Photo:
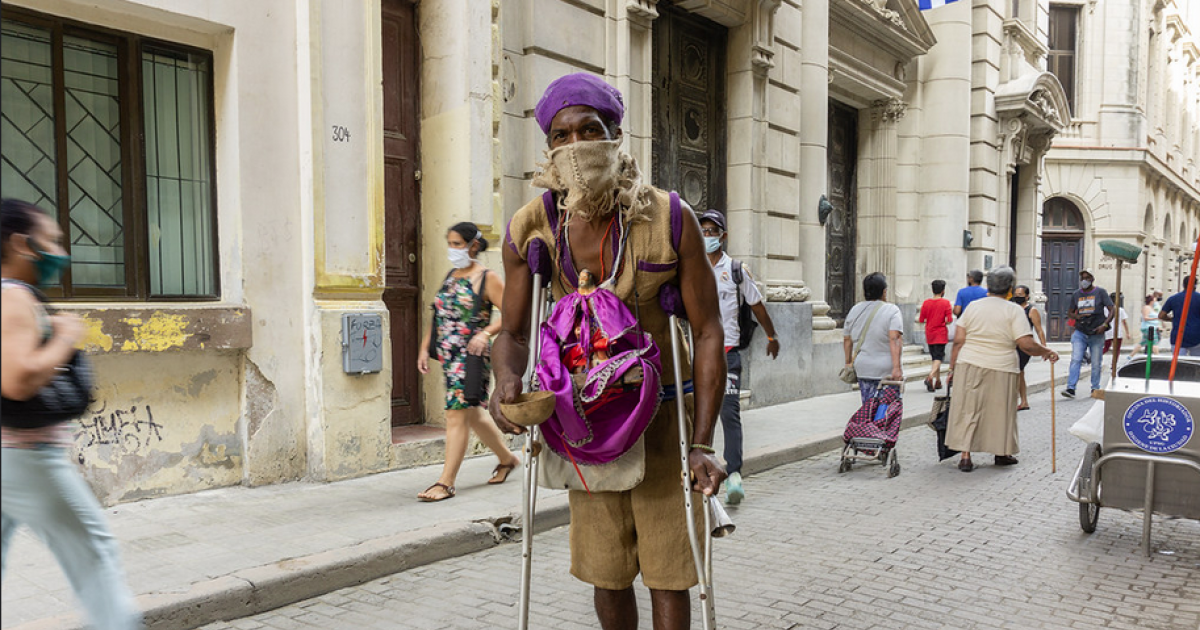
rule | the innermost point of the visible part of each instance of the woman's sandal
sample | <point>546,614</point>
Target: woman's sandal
<point>449,493</point>
<point>500,474</point>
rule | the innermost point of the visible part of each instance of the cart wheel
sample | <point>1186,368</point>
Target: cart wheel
<point>893,464</point>
<point>1089,513</point>
<point>845,465</point>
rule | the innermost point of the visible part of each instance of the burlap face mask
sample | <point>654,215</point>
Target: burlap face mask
<point>589,172</point>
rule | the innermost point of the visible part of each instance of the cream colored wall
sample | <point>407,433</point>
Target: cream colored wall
<point>458,151</point>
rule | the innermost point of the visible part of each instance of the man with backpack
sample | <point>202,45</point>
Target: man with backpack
<point>741,304</point>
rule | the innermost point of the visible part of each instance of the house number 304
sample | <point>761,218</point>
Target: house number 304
<point>341,134</point>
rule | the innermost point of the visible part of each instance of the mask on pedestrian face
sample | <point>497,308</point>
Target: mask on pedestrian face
<point>1085,284</point>
<point>1019,299</point>
<point>48,266</point>
<point>712,243</point>
<point>460,258</point>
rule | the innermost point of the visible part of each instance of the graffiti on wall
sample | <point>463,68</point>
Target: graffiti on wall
<point>129,429</point>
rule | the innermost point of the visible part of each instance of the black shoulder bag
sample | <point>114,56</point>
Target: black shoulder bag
<point>475,381</point>
<point>64,398</point>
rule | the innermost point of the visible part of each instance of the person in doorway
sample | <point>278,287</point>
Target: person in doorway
<point>1020,297</point>
<point>647,246</point>
<point>42,488</point>
<point>1087,308</point>
<point>936,314</point>
<point>880,326</point>
<point>735,288</point>
<point>1190,344</point>
<point>973,291</point>
<point>463,325</point>
<point>1119,329</point>
<point>983,410</point>
<point>1151,327</point>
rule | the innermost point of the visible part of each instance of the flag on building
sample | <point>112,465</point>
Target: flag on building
<point>926,5</point>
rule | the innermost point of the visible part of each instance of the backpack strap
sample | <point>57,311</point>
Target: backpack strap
<point>676,221</point>
<point>738,276</point>
<point>480,295</point>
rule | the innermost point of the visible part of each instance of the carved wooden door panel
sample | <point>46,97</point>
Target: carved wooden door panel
<point>840,237</point>
<point>689,108</point>
<point>401,201</point>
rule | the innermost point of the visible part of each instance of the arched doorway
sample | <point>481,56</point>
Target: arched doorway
<point>1062,258</point>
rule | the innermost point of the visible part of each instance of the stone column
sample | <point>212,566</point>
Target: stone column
<point>945,73</point>
<point>877,187</point>
<point>814,135</point>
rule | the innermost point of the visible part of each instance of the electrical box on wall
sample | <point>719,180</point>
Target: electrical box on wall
<point>362,343</point>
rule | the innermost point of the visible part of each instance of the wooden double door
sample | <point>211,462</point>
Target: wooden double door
<point>840,226</point>
<point>689,108</point>
<point>1062,259</point>
<point>402,203</point>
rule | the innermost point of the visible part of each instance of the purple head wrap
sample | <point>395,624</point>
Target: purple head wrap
<point>580,88</point>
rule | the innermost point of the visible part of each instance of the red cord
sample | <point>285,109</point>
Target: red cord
<point>604,240</point>
<point>573,463</point>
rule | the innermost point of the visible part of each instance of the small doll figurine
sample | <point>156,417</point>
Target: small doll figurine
<point>587,282</point>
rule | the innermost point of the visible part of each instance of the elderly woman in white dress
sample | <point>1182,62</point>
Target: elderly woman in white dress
<point>985,373</point>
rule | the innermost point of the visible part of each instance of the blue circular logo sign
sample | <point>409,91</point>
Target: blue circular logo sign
<point>1158,424</point>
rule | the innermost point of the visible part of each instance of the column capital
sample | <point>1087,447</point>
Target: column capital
<point>888,110</point>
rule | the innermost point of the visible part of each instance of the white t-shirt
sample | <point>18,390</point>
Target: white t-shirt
<point>875,358</point>
<point>727,295</point>
<point>1116,325</point>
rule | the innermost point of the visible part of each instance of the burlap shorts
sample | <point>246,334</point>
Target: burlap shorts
<point>616,535</point>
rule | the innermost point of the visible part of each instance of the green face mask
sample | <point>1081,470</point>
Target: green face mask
<point>48,266</point>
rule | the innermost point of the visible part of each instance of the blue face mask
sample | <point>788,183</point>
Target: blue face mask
<point>48,266</point>
<point>712,243</point>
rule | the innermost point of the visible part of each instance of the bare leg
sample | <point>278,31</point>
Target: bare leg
<point>456,449</point>
<point>672,610</point>
<point>1021,391</point>
<point>490,435</point>
<point>617,610</point>
<point>935,373</point>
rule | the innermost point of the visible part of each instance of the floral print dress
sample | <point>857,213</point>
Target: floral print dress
<point>455,328</point>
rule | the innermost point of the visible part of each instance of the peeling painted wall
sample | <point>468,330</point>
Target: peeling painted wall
<point>161,424</point>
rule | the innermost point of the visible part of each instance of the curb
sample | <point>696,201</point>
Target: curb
<point>267,587</point>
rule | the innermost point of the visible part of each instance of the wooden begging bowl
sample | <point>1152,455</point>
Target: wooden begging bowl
<point>530,409</point>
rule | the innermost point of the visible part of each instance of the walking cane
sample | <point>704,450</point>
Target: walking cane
<point>703,561</point>
<point>539,263</point>
<point>1053,425</point>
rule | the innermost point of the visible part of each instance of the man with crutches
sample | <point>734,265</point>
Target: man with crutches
<point>628,254</point>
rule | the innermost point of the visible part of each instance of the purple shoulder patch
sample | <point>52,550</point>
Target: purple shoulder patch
<point>676,221</point>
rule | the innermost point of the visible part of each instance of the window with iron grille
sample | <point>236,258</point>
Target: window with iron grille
<point>112,133</point>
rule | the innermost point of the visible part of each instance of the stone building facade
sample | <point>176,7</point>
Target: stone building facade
<point>328,145</point>
<point>1127,164</point>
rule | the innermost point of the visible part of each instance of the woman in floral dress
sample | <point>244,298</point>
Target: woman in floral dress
<point>461,329</point>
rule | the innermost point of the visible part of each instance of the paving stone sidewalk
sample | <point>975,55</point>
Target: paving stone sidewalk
<point>193,559</point>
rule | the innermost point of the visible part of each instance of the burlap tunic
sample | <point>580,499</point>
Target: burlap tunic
<point>614,535</point>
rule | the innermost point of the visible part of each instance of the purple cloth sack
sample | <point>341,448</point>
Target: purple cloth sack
<point>613,427</point>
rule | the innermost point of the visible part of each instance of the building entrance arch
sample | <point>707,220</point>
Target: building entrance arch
<point>1063,230</point>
